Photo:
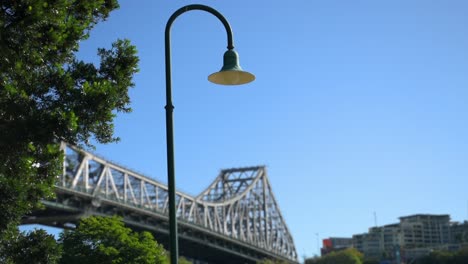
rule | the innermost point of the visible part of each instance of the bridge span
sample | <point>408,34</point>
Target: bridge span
<point>235,220</point>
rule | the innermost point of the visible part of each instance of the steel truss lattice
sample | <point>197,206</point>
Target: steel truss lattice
<point>239,203</point>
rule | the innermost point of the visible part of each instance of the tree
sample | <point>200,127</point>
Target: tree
<point>106,240</point>
<point>47,95</point>
<point>183,260</point>
<point>445,257</point>
<point>312,260</point>
<point>347,256</point>
<point>370,261</point>
<point>269,261</point>
<point>33,247</point>
<point>461,256</point>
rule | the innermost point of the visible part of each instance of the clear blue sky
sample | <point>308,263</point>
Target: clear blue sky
<point>358,107</point>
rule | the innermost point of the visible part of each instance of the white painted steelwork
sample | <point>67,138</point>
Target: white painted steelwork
<point>239,203</point>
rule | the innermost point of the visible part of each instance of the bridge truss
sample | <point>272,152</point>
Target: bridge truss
<point>237,213</point>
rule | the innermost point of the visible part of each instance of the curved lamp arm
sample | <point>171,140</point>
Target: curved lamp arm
<point>208,9</point>
<point>167,41</point>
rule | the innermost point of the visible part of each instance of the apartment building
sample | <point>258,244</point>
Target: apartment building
<point>424,230</point>
<point>459,233</point>
<point>379,241</point>
<point>413,236</point>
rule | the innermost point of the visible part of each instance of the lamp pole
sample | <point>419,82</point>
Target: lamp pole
<point>230,74</point>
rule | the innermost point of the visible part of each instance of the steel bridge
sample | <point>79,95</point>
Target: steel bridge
<point>235,220</point>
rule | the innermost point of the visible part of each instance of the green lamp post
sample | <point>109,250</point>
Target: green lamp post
<point>230,74</point>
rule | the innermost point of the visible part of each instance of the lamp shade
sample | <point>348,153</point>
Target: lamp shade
<point>231,73</point>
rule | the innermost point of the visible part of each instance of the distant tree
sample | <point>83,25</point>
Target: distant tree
<point>105,240</point>
<point>269,261</point>
<point>347,256</point>
<point>445,257</point>
<point>48,95</point>
<point>36,247</point>
<point>461,256</point>
<point>370,261</point>
<point>183,260</point>
<point>436,257</point>
<point>313,260</point>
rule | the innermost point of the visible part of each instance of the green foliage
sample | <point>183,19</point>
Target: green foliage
<point>183,260</point>
<point>445,257</point>
<point>23,181</point>
<point>269,261</point>
<point>106,240</point>
<point>313,260</point>
<point>370,261</point>
<point>347,256</point>
<point>34,247</point>
<point>48,95</point>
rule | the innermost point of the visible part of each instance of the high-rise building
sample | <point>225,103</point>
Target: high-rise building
<point>379,242</point>
<point>391,236</point>
<point>414,236</point>
<point>424,230</point>
<point>459,233</point>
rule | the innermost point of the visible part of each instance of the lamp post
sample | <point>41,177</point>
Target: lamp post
<point>230,74</point>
